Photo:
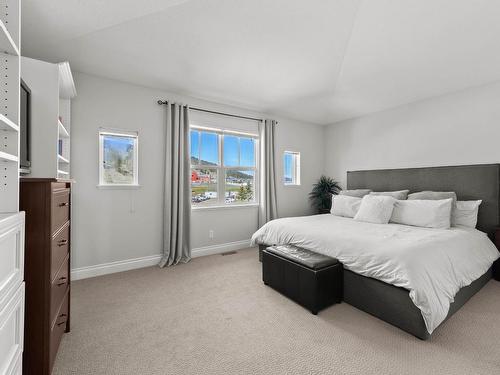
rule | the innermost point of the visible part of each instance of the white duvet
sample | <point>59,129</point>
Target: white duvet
<point>433,264</point>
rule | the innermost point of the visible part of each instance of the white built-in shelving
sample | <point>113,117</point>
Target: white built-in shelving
<point>4,156</point>
<point>67,91</point>
<point>63,150</point>
<point>11,220</point>
<point>6,124</point>
<point>52,89</point>
<point>9,109</point>
<point>7,43</point>
<point>63,133</point>
<point>62,159</point>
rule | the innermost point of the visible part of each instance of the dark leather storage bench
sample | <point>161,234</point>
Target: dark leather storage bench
<point>310,279</point>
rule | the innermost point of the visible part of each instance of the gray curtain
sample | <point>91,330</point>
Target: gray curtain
<point>176,197</point>
<point>268,209</point>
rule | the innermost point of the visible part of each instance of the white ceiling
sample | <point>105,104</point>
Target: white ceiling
<point>319,61</point>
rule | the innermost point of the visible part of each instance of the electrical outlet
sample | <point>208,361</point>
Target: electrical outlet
<point>211,234</point>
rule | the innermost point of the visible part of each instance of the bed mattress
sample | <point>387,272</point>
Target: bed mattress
<point>432,264</point>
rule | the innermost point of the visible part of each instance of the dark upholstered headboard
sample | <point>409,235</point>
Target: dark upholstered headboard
<point>470,182</point>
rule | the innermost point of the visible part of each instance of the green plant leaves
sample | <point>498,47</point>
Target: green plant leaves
<point>321,194</point>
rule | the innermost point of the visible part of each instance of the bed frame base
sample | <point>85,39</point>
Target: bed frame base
<point>392,304</point>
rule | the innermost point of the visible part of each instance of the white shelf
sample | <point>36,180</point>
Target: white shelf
<point>6,124</point>
<point>62,159</point>
<point>7,44</point>
<point>63,133</point>
<point>64,173</point>
<point>8,218</point>
<point>7,157</point>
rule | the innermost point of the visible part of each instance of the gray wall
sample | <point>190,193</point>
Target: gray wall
<point>117,225</point>
<point>455,129</point>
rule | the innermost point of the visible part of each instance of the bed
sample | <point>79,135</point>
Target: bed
<point>393,303</point>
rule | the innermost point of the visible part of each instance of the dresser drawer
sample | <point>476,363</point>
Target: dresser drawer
<point>12,332</point>
<point>11,255</point>
<point>58,186</point>
<point>60,208</point>
<point>58,328</point>
<point>60,249</point>
<point>58,288</point>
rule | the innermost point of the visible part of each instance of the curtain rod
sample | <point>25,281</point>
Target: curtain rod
<point>215,112</point>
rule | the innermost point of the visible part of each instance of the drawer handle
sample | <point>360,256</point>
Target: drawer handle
<point>62,316</point>
<point>63,204</point>
<point>62,281</point>
<point>62,242</point>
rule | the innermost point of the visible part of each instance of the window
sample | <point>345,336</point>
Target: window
<point>223,167</point>
<point>291,168</point>
<point>118,158</point>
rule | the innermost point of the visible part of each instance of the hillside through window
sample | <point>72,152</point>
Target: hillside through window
<point>118,158</point>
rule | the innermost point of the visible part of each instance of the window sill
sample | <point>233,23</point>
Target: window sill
<point>292,185</point>
<point>119,187</point>
<point>250,205</point>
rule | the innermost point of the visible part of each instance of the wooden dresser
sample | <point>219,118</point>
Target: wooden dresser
<point>47,264</point>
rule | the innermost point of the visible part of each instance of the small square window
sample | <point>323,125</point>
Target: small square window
<point>291,168</point>
<point>118,159</point>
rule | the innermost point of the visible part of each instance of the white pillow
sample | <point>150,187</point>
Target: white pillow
<point>343,205</point>
<point>465,214</point>
<point>423,213</point>
<point>400,194</point>
<point>375,209</point>
<point>358,193</point>
<point>433,195</point>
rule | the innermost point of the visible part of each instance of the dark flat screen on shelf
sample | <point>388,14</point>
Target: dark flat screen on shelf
<point>25,128</point>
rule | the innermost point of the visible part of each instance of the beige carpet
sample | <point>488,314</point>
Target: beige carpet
<point>214,316</point>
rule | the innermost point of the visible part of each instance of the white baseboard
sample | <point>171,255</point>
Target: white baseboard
<point>113,267</point>
<point>152,260</point>
<point>221,248</point>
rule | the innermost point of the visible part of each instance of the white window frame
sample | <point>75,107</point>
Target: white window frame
<point>221,168</point>
<point>118,133</point>
<point>295,168</point>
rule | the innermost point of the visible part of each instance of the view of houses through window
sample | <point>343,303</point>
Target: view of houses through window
<point>223,167</point>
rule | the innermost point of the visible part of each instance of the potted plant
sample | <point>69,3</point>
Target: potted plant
<point>321,194</point>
